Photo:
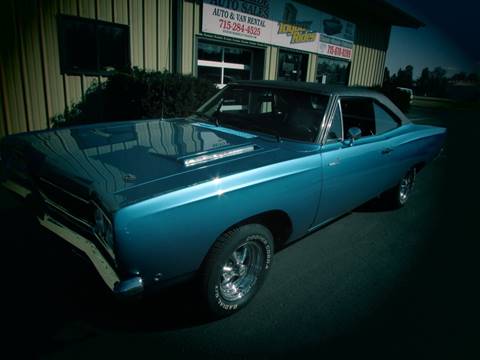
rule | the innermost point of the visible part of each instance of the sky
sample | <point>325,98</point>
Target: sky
<point>450,37</point>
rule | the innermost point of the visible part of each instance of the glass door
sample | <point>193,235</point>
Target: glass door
<point>222,64</point>
<point>292,66</point>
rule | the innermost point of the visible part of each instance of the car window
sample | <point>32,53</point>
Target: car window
<point>335,132</point>
<point>358,112</point>
<point>287,113</point>
<point>384,121</point>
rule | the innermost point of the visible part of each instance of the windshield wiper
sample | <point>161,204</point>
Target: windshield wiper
<point>208,117</point>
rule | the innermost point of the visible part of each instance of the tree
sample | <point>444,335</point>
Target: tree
<point>423,83</point>
<point>386,76</point>
<point>473,77</point>
<point>459,76</point>
<point>405,77</point>
<point>439,82</point>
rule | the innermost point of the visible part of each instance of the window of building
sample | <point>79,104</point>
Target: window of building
<point>92,47</point>
<point>330,71</point>
<point>223,64</point>
<point>292,66</point>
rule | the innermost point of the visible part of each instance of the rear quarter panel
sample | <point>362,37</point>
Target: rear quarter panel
<point>414,145</point>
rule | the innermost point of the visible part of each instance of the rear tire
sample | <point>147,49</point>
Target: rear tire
<point>236,268</point>
<point>398,196</point>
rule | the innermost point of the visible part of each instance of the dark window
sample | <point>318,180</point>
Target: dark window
<point>207,51</point>
<point>358,112</point>
<point>331,71</point>
<point>213,74</point>
<point>292,66</point>
<point>384,120</point>
<point>92,47</point>
<point>223,64</point>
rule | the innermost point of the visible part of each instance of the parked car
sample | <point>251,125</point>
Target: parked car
<point>406,90</point>
<point>212,196</point>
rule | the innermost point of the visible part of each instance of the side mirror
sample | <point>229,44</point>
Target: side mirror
<point>354,133</point>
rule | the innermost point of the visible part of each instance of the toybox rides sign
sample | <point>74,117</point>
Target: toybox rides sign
<point>282,23</point>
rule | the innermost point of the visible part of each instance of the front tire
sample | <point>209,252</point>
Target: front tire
<point>236,268</point>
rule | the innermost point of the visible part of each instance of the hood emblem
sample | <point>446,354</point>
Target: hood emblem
<point>129,178</point>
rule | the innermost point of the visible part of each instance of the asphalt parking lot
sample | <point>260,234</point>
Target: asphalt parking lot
<point>389,284</point>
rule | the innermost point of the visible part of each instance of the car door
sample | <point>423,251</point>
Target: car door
<point>353,170</point>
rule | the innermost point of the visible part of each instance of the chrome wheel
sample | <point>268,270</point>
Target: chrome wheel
<point>406,186</point>
<point>241,271</point>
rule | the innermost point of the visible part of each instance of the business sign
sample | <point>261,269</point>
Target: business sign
<point>241,25</point>
<point>281,23</point>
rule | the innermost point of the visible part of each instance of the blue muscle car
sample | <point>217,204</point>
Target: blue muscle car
<point>262,163</point>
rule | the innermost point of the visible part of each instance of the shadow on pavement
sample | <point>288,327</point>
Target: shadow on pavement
<point>54,297</point>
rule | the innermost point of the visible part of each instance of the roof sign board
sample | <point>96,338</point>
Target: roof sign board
<point>282,23</point>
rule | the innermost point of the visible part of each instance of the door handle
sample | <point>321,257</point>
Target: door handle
<point>387,151</point>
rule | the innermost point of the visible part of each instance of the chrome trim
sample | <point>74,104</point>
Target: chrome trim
<point>130,287</point>
<point>126,287</point>
<point>202,159</point>
<point>89,227</point>
<point>325,120</point>
<point>105,270</point>
<point>63,190</point>
<point>103,212</point>
<point>64,211</point>
<point>16,188</point>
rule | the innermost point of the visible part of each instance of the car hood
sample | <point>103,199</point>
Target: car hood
<point>130,161</point>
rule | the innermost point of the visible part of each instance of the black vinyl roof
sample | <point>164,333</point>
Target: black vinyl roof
<point>311,87</point>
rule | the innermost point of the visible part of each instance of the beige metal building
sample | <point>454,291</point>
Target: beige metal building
<point>53,50</point>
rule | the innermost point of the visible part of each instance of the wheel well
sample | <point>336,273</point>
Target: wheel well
<point>277,221</point>
<point>419,166</point>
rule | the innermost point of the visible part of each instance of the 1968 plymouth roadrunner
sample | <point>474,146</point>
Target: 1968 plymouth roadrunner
<point>262,163</point>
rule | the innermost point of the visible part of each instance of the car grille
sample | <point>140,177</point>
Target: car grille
<point>74,209</point>
<point>73,206</point>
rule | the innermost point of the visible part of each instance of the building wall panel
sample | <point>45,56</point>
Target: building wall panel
<point>3,119</point>
<point>72,83</point>
<point>311,67</point>
<point>136,32</point>
<point>271,63</point>
<point>120,11</point>
<point>188,36</point>
<point>104,10</point>
<point>150,34</point>
<point>164,42</point>
<point>87,9</point>
<point>54,89</point>
<point>11,73</point>
<point>31,63</point>
<point>369,52</point>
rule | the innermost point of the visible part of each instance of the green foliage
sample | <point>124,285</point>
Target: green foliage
<point>139,94</point>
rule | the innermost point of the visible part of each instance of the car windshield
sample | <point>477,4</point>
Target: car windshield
<point>288,114</point>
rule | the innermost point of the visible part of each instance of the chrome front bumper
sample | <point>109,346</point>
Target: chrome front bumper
<point>128,287</point>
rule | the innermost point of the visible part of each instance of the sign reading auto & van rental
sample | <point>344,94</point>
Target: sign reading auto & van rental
<point>246,20</point>
<point>282,23</point>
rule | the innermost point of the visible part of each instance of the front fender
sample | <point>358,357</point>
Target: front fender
<point>171,234</point>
